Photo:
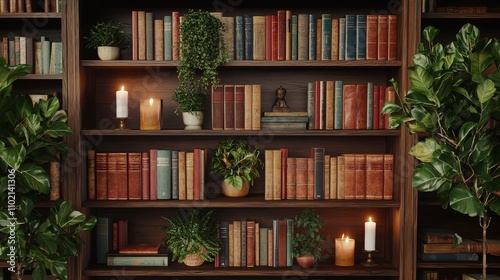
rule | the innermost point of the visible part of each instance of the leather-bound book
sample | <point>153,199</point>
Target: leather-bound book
<point>333,177</point>
<point>250,244</point>
<point>229,107</point>
<point>269,36</point>
<point>277,174</point>
<point>101,167</point>
<point>175,35</point>
<point>158,40</point>
<point>382,37</point>
<point>361,104</point>
<point>189,175</point>
<point>141,34</point>
<point>248,106</point>
<point>318,156</point>
<point>153,187</point>
<point>326,171</point>
<point>182,175</point>
<point>268,174</point>
<point>134,176</point>
<point>388,176</point>
<point>371,37</point>
<point>288,35</point>
<point>281,34</point>
<point>259,37</point>
<point>349,102</point>
<point>135,39</point>
<point>302,38</point>
<point>256,106</point>
<point>282,252</point>
<point>349,176</point>
<point>218,107</point>
<point>145,175</point>
<point>91,174</point>
<point>360,173</point>
<point>122,176</point>
<point>335,39</point>
<point>381,100</point>
<point>284,158</point>
<point>239,107</point>
<point>374,176</point>
<point>112,176</point>
<point>290,178</point>
<point>340,177</point>
<point>301,178</point>
<point>392,37</point>
<point>310,178</point>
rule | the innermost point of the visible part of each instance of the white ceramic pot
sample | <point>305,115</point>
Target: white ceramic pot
<point>108,53</point>
<point>192,120</point>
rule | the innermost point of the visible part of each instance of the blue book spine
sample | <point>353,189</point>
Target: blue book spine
<point>295,37</point>
<point>350,37</point>
<point>369,106</point>
<point>360,37</point>
<point>326,37</point>
<point>239,38</point>
<point>167,37</point>
<point>248,26</point>
<point>341,38</point>
<point>312,37</point>
<point>164,174</point>
<point>450,257</point>
<point>338,105</point>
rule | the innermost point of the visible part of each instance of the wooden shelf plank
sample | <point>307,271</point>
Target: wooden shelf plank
<point>461,16</point>
<point>30,15</point>
<point>42,77</point>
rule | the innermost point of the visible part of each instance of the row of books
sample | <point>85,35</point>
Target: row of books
<point>44,56</point>
<point>335,105</point>
<point>280,36</point>
<point>245,244</point>
<point>236,107</point>
<point>157,174</point>
<point>29,6</point>
<point>322,176</point>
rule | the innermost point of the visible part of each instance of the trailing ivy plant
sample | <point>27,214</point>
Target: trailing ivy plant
<point>201,50</point>
<point>30,138</point>
<point>454,96</point>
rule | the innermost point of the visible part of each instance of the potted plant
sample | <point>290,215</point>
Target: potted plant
<point>454,96</point>
<point>191,236</point>
<point>108,38</point>
<point>239,164</point>
<point>30,138</point>
<point>307,242</point>
<point>201,51</point>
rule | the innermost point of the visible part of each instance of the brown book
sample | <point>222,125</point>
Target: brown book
<point>277,174</point>
<point>388,176</point>
<point>115,236</point>
<point>274,37</point>
<point>270,247</point>
<point>374,176</point>
<point>218,107</point>
<point>239,107</point>
<point>360,174</point>
<point>196,174</point>
<point>371,37</point>
<point>361,103</point>
<point>436,235</point>
<point>5,48</point>
<point>463,10</point>
<point>392,37</point>
<point>55,180</point>
<point>237,243</point>
<point>182,175</point>
<point>390,95</point>
<point>91,174</point>
<point>149,36</point>
<point>38,57</point>
<point>281,17</point>
<point>140,249</point>
<point>290,178</point>
<point>112,176</point>
<point>145,176</point>
<point>302,37</point>
<point>122,233</point>
<point>230,249</point>
<point>340,177</point>
<point>229,107</point>
<point>288,35</point>
<point>175,35</point>
<point>467,246</point>
<point>335,39</point>
<point>319,35</point>
<point>349,104</point>
<point>250,244</point>
<point>13,6</point>
<point>256,107</point>
<point>134,176</point>
<point>158,40</point>
<point>333,177</point>
<point>269,37</point>
<point>101,168</point>
<point>30,60</point>
<point>257,243</point>
<point>381,100</point>
<point>141,34</point>
<point>4,7</point>
<point>382,37</point>
<point>153,181</point>
<point>330,105</point>
<point>135,39</point>
<point>189,175</point>
<point>282,252</point>
<point>310,178</point>
<point>284,157</point>
<point>228,35</point>
<point>301,178</point>
<point>349,176</point>
<point>121,176</point>
<point>268,174</point>
<point>326,188</point>
<point>259,37</point>
<point>248,107</point>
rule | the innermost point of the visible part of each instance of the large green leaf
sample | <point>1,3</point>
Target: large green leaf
<point>35,177</point>
<point>39,271</point>
<point>430,33</point>
<point>485,91</point>
<point>467,37</point>
<point>465,202</point>
<point>466,129</point>
<point>479,62</point>
<point>50,107</point>
<point>423,150</point>
<point>58,129</point>
<point>421,81</point>
<point>62,212</point>
<point>426,178</point>
<point>25,206</point>
<point>13,156</point>
<point>47,241</point>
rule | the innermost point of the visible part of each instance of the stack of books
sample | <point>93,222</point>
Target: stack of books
<point>284,120</point>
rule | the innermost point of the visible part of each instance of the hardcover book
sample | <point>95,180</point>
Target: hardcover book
<point>136,260</point>
<point>218,107</point>
<point>134,176</point>
<point>360,37</point>
<point>350,37</point>
<point>91,163</point>
<point>318,156</point>
<point>436,235</point>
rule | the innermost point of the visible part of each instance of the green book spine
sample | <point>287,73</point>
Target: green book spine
<point>360,37</point>
<point>164,174</point>
<point>167,37</point>
<point>58,69</point>
<point>369,106</point>
<point>295,37</point>
<point>312,37</point>
<point>248,30</point>
<point>311,91</point>
<point>350,37</point>
<point>103,243</point>
<point>149,37</point>
<point>338,105</point>
<point>238,38</point>
<point>289,242</point>
<point>326,37</point>
<point>175,174</point>
<point>45,57</point>
<point>263,246</point>
<point>137,260</point>
<point>341,38</point>
<point>17,45</point>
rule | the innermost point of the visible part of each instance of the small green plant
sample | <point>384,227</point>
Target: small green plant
<point>237,160</point>
<point>191,231</point>
<point>107,34</point>
<point>307,241</point>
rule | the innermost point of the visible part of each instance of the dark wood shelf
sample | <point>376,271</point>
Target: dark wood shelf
<point>30,15</point>
<point>461,16</point>
<point>456,265</point>
<point>42,77</point>
<point>175,269</point>
<point>209,132</point>
<point>251,201</point>
<point>245,63</point>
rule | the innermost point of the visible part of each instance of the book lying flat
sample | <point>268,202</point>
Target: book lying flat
<point>137,259</point>
<point>436,235</point>
<point>467,246</point>
<point>140,249</point>
<point>449,257</point>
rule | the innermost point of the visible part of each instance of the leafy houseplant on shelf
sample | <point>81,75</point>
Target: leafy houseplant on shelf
<point>239,164</point>
<point>454,96</point>
<point>307,242</point>
<point>191,236</point>
<point>108,38</point>
<point>30,138</point>
<point>201,51</point>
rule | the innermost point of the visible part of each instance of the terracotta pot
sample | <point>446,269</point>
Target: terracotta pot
<point>194,259</point>
<point>305,261</point>
<point>192,120</point>
<point>108,53</point>
<point>231,191</point>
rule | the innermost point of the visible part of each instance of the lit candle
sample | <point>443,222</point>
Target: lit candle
<point>344,251</point>
<point>370,235</point>
<point>122,103</point>
<point>150,114</point>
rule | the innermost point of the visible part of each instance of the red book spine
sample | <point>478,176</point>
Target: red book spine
<point>310,178</point>
<point>349,106</point>
<point>376,106</point>
<point>301,178</point>
<point>122,176</point>
<point>392,40</point>
<point>284,157</point>
<point>282,252</point>
<point>371,37</point>
<point>218,107</point>
<point>361,100</point>
<point>281,34</point>
<point>153,187</point>
<point>145,176</point>
<point>269,37</point>
<point>134,176</point>
<point>382,37</point>
<point>239,107</point>
<point>317,104</point>
<point>349,176</point>
<point>101,167</point>
<point>135,39</point>
<point>115,236</point>
<point>112,176</point>
<point>250,244</point>
<point>196,174</point>
<point>360,173</point>
<point>175,35</point>
<point>229,107</point>
<point>274,33</point>
<point>388,176</point>
<point>374,176</point>
<point>381,100</point>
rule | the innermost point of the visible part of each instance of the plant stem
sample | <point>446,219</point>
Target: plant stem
<point>484,222</point>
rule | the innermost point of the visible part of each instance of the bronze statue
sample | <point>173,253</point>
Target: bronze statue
<point>279,104</point>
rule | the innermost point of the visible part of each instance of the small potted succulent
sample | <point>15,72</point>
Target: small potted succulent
<point>307,242</point>
<point>108,38</point>
<point>239,164</point>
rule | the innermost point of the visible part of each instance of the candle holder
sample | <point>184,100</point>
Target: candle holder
<point>369,261</point>
<point>121,125</point>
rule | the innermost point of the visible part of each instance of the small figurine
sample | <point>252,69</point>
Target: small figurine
<point>279,104</point>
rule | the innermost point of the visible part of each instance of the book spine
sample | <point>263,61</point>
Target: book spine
<point>350,37</point>
<point>230,248</point>
<point>145,176</point>
<point>269,37</point>
<point>243,243</point>
<point>256,106</point>
<point>284,157</point>
<point>301,178</point>
<point>158,40</point>
<point>302,37</point>
<point>141,34</point>
<point>46,57</point>
<point>288,35</point>
<point>259,40</point>
<point>338,100</point>
<point>229,107</point>
<point>360,174</point>
<point>112,176</point>
<point>382,37</point>
<point>369,105</point>
<point>390,96</point>
<point>167,37</point>
<point>218,107</point>
<point>149,37</point>
<point>449,257</point>
<point>263,246</point>
<point>250,248</point>
<point>164,174</point>
<point>289,242</point>
<point>237,243</point>
<point>329,105</point>
<point>295,38</point>
<point>291,178</point>
<point>282,243</point>
<point>381,100</point>
<point>312,37</point>
<point>326,173</point>
<point>175,174</point>
<point>319,31</point>
<point>349,176</point>
<point>311,89</point>
<point>274,37</point>
<point>388,176</point>
<point>122,176</point>
<point>196,173</point>
<point>135,42</point>
<point>153,180</point>
<point>189,175</point>
<point>277,174</point>
<point>91,170</point>
<point>101,176</point>
<point>268,174</point>
<point>333,177</point>
<point>340,177</point>
<point>361,104</point>
<point>310,178</point>
<point>248,39</point>
<point>392,37</point>
<point>342,38</point>
<point>326,40</point>
<point>239,107</point>
<point>371,37</point>
<point>281,34</point>
<point>239,38</point>
<point>104,229</point>
<point>335,39</point>
<point>137,261</point>
<point>228,36</point>
<point>182,175</point>
<point>374,176</point>
<point>318,157</point>
<point>349,105</point>
<point>224,249</point>
<point>360,37</point>
<point>248,107</point>
<point>134,176</point>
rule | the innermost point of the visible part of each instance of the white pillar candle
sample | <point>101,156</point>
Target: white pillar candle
<point>122,103</point>
<point>370,229</point>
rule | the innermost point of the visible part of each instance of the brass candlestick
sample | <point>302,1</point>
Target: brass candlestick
<point>122,125</point>
<point>369,261</point>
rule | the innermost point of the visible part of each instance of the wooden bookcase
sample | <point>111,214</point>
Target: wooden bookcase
<point>92,85</point>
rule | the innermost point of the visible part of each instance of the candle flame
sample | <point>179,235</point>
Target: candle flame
<point>370,219</point>
<point>151,101</point>
<point>347,239</point>
<point>123,87</point>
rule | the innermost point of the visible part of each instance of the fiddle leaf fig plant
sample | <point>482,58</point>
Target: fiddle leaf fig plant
<point>453,101</point>
<point>31,138</point>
